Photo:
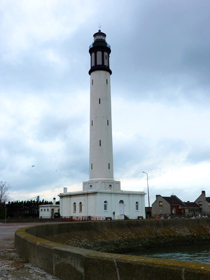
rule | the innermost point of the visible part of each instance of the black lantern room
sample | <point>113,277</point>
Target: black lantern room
<point>99,53</point>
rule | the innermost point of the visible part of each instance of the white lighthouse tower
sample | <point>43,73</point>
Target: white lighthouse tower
<point>101,174</point>
<point>101,197</point>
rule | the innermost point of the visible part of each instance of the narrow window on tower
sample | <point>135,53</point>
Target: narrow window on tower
<point>107,81</point>
<point>99,142</point>
<point>91,166</point>
<point>92,81</point>
<point>107,122</point>
<point>106,58</point>
<point>99,101</point>
<point>92,123</point>
<point>92,59</point>
<point>108,165</point>
<point>99,58</point>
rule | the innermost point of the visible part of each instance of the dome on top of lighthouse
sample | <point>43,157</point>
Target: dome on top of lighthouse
<point>100,40</point>
<point>99,36</point>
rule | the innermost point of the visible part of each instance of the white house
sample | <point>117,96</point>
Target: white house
<point>102,196</point>
<point>47,211</point>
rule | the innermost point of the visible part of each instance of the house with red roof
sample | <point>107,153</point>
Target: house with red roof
<point>174,206</point>
<point>204,203</point>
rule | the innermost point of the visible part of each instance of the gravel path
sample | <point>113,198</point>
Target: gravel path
<point>11,265</point>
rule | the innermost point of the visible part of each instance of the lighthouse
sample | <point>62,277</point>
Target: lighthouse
<point>101,170</point>
<point>101,197</point>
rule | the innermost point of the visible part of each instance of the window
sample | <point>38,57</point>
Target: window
<point>137,206</point>
<point>107,122</point>
<point>99,142</point>
<point>110,186</point>
<point>108,165</point>
<point>41,210</point>
<point>92,81</point>
<point>91,166</point>
<point>90,186</point>
<point>44,209</point>
<point>93,59</point>
<point>106,59</point>
<point>80,207</point>
<point>99,101</point>
<point>200,203</point>
<point>107,81</point>
<point>47,209</point>
<point>105,205</point>
<point>160,203</point>
<point>99,58</point>
<point>74,207</point>
<point>91,123</point>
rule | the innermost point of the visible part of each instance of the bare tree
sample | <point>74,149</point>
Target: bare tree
<point>3,192</point>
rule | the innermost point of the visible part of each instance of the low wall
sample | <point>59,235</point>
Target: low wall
<point>69,262</point>
<point>125,236</point>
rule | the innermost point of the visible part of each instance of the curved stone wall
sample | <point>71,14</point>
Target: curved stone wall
<point>70,262</point>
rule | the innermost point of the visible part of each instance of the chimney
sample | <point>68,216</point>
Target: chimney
<point>203,193</point>
<point>54,200</point>
<point>64,190</point>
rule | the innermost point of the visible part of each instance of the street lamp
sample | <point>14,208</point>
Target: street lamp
<point>147,191</point>
<point>5,211</point>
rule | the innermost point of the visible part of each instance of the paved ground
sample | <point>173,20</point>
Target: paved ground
<point>11,265</point>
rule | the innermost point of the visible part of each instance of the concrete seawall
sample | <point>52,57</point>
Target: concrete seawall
<point>70,262</point>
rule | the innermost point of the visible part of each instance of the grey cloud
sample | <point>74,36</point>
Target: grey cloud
<point>199,153</point>
<point>71,162</point>
<point>130,153</point>
<point>160,52</point>
<point>197,63</point>
<point>38,73</point>
<point>167,146</point>
<point>54,126</point>
<point>157,54</point>
<point>139,154</point>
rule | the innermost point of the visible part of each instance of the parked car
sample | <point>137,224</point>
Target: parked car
<point>57,215</point>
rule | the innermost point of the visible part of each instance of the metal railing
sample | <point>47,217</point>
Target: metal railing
<point>104,42</point>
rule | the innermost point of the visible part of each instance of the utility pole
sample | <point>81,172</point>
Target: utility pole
<point>148,191</point>
<point>5,211</point>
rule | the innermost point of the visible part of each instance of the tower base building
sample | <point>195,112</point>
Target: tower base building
<point>102,197</point>
<point>102,205</point>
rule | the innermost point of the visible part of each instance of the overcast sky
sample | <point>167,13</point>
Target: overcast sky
<point>160,88</point>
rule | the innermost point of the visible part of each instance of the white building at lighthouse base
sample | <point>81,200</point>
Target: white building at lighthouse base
<point>102,204</point>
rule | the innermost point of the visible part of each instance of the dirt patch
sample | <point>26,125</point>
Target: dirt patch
<point>11,265</point>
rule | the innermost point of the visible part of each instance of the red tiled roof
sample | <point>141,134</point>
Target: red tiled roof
<point>174,200</point>
<point>191,204</point>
